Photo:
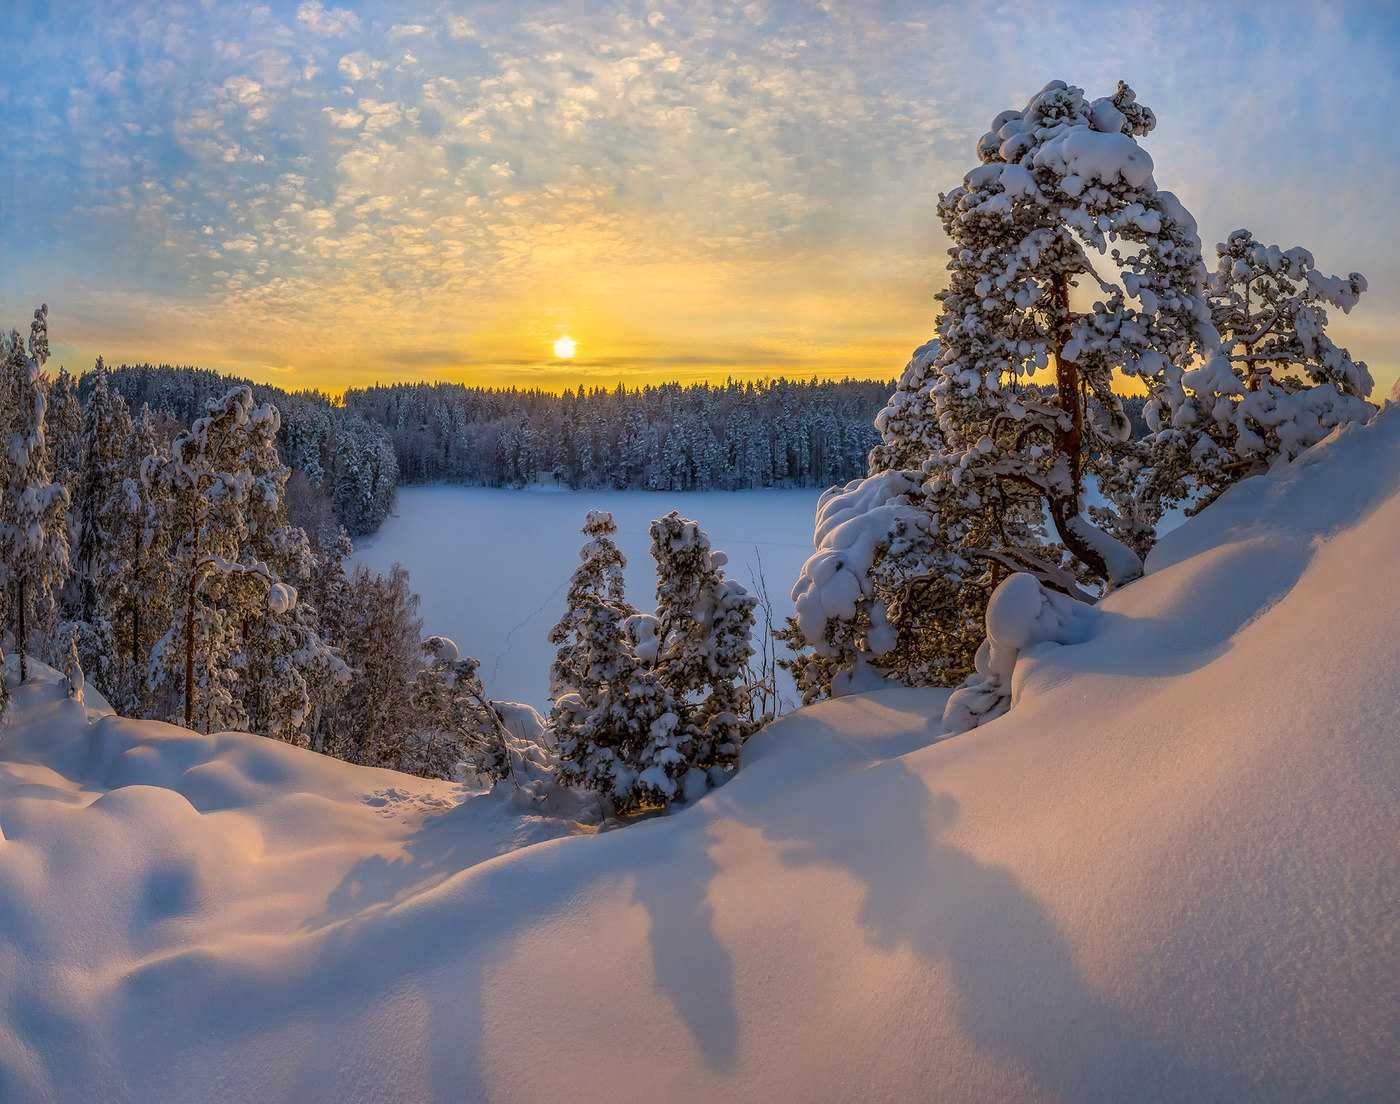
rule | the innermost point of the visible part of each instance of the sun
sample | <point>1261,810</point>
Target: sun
<point>565,347</point>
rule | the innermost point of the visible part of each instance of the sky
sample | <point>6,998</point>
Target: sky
<point>322,196</point>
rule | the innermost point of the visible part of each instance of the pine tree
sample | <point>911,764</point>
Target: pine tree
<point>290,673</point>
<point>142,533</point>
<point>33,523</point>
<point>102,572</point>
<point>216,585</point>
<point>600,577</point>
<point>976,453</point>
<point>380,645</point>
<point>1277,384</point>
<point>704,631</point>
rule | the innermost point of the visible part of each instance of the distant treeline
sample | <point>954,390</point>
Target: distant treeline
<point>347,456</point>
<point>672,437</point>
<point>343,467</point>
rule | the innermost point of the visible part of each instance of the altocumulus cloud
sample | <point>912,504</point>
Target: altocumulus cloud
<point>728,186</point>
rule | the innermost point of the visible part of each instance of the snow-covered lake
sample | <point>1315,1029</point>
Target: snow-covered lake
<point>492,566</point>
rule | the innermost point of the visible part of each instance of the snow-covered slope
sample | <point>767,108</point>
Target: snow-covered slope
<point>1170,873</point>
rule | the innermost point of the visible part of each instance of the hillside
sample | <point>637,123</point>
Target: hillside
<point>1169,873</point>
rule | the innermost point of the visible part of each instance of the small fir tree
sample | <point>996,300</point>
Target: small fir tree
<point>649,707</point>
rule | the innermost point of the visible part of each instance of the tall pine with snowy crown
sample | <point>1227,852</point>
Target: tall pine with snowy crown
<point>33,521</point>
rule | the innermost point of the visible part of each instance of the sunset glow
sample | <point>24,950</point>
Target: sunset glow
<point>320,196</point>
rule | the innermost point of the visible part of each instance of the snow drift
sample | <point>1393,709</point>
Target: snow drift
<point>1169,873</point>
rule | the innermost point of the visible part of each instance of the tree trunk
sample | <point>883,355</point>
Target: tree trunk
<point>1069,442</point>
<point>136,626</point>
<point>20,636</point>
<point>189,652</point>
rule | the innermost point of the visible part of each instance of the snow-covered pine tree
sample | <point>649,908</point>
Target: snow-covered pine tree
<point>592,654</point>
<point>33,523</point>
<point>599,576</point>
<point>703,635</point>
<point>1278,385</point>
<point>142,531</point>
<point>63,430</point>
<point>970,440</point>
<point>214,584</point>
<point>290,673</point>
<point>381,647</point>
<point>101,568</point>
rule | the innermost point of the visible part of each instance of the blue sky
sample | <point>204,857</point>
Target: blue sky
<point>322,195</point>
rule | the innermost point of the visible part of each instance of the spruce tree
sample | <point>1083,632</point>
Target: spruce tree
<point>33,523</point>
<point>649,707</point>
<point>102,569</point>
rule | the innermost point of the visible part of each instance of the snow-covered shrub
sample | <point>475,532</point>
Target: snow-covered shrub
<point>652,707</point>
<point>1021,614</point>
<point>462,735</point>
<point>863,599</point>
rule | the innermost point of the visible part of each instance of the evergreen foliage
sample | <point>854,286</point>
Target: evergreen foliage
<point>33,523</point>
<point>650,707</point>
<point>982,467</point>
<point>669,437</point>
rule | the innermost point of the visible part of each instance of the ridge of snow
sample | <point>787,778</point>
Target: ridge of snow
<point>1168,873</point>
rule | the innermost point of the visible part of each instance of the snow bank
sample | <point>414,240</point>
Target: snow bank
<point>1020,615</point>
<point>1169,873</point>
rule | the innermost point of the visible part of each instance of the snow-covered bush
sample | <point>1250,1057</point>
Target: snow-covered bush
<point>876,550</point>
<point>462,736</point>
<point>1021,614</point>
<point>652,707</point>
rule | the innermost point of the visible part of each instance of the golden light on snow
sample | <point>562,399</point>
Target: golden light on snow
<point>565,347</point>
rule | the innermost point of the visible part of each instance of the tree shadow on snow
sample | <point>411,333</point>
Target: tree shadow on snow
<point>1020,995</point>
<point>692,968</point>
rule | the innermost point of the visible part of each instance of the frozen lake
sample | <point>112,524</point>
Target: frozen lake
<point>492,565</point>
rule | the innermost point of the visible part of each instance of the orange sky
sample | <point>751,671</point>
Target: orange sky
<point>323,197</point>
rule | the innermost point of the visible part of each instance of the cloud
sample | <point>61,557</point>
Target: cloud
<point>337,21</point>
<point>759,180</point>
<point>458,27</point>
<point>346,120</point>
<point>360,66</point>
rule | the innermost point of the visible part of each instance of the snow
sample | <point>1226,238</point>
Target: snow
<point>852,521</point>
<point>1020,615</point>
<point>493,566</point>
<point>1168,873</point>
